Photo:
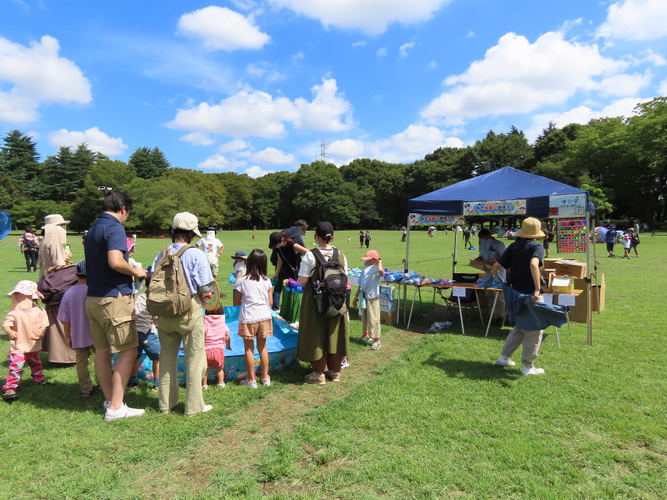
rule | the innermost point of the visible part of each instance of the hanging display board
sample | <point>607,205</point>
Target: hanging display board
<point>496,207</point>
<point>567,206</point>
<point>571,235</point>
<point>422,220</point>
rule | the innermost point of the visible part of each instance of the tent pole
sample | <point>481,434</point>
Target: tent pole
<point>589,318</point>
<point>406,266</point>
<point>456,234</point>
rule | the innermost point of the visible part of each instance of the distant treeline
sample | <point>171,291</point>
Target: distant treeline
<point>622,162</point>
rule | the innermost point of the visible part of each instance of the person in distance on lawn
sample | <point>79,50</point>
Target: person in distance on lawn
<point>523,259</point>
<point>369,286</point>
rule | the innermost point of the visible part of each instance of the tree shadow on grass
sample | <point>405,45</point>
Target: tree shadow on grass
<point>473,370</point>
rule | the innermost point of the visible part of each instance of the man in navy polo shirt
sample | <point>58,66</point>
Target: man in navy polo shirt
<point>110,304</point>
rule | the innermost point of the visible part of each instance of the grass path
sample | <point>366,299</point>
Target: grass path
<point>276,414</point>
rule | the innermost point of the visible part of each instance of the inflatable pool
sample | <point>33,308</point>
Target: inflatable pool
<point>281,347</point>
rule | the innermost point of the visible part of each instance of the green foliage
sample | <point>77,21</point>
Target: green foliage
<point>149,163</point>
<point>32,213</point>
<point>10,192</point>
<point>18,157</point>
<point>240,200</point>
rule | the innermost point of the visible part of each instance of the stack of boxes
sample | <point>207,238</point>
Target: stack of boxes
<point>388,305</point>
<point>575,273</point>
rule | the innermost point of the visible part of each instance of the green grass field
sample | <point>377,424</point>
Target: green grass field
<point>427,416</point>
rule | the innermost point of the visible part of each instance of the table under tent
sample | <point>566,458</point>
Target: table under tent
<point>502,194</point>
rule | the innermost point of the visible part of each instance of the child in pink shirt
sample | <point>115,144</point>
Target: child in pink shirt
<point>216,338</point>
<point>25,324</point>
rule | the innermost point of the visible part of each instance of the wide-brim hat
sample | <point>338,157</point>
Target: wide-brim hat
<point>55,219</point>
<point>531,228</point>
<point>26,287</point>
<point>186,221</point>
<point>294,232</point>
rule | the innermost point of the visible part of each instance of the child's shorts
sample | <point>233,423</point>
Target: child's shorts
<point>215,358</point>
<point>260,330</point>
<point>149,342</point>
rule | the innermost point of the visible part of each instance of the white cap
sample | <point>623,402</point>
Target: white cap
<point>187,221</point>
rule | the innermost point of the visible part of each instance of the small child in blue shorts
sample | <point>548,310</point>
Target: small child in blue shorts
<point>149,341</point>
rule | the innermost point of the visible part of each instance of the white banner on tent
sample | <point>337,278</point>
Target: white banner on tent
<point>419,219</point>
<point>567,205</point>
<point>495,207</point>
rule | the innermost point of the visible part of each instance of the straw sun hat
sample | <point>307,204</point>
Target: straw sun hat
<point>530,229</point>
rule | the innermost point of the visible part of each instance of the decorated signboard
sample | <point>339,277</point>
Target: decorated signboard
<point>420,220</point>
<point>496,207</point>
<point>571,235</point>
<point>568,205</point>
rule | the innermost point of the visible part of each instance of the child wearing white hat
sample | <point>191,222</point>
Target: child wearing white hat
<point>25,324</point>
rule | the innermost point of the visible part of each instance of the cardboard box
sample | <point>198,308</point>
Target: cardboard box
<point>388,318</point>
<point>578,314</point>
<point>388,305</point>
<point>387,292</point>
<point>560,284</point>
<point>480,264</point>
<point>566,268</point>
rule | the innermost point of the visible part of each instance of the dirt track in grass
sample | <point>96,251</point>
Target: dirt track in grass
<point>278,412</point>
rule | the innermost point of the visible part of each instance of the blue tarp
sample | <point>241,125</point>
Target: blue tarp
<point>504,184</point>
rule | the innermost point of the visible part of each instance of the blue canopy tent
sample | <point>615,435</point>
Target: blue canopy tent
<point>462,198</point>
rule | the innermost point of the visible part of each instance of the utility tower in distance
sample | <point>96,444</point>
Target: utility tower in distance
<point>323,150</point>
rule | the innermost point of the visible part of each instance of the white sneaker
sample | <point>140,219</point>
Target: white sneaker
<point>249,383</point>
<point>505,361</point>
<point>207,408</point>
<point>124,412</point>
<point>532,371</point>
<point>266,382</point>
<point>344,363</point>
<point>376,345</point>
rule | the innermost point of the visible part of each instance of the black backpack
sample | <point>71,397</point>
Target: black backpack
<point>331,294</point>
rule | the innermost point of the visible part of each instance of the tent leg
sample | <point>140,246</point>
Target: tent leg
<point>463,330</point>
<point>412,307</point>
<point>493,308</point>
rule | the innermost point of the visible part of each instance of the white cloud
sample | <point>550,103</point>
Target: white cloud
<point>662,88</point>
<point>95,139</point>
<point>382,52</point>
<point>298,56</point>
<point>254,70</point>
<point>197,139</point>
<point>369,16</point>
<point>433,64</point>
<point>37,74</point>
<point>635,20</point>
<point>360,43</point>
<point>219,28</point>
<point>470,34</point>
<point>624,85</point>
<point>214,162</point>
<point>651,57</point>
<point>403,49</point>
<point>259,70</point>
<point>582,115</point>
<point>516,76</point>
<point>273,156</point>
<point>235,145</point>
<point>256,172</point>
<point>244,4</point>
<point>412,144</point>
<point>259,114</point>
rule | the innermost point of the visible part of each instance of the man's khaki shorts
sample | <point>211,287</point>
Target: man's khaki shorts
<point>112,322</point>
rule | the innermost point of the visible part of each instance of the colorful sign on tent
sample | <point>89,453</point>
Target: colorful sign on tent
<point>496,207</point>
<point>571,237</point>
<point>420,220</point>
<point>567,205</point>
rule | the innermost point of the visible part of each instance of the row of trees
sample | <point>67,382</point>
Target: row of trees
<point>621,162</point>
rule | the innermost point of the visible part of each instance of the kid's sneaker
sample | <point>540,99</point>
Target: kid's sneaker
<point>344,363</point>
<point>376,345</point>
<point>123,412</point>
<point>365,339</point>
<point>249,383</point>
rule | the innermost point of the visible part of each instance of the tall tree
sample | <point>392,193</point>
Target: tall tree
<point>19,158</point>
<point>149,162</point>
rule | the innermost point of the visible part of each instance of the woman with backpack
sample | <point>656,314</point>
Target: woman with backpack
<point>324,337</point>
<point>178,322</point>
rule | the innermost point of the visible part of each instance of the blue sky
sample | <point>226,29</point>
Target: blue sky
<point>252,86</point>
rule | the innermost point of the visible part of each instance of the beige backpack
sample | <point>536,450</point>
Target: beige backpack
<point>169,293</point>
